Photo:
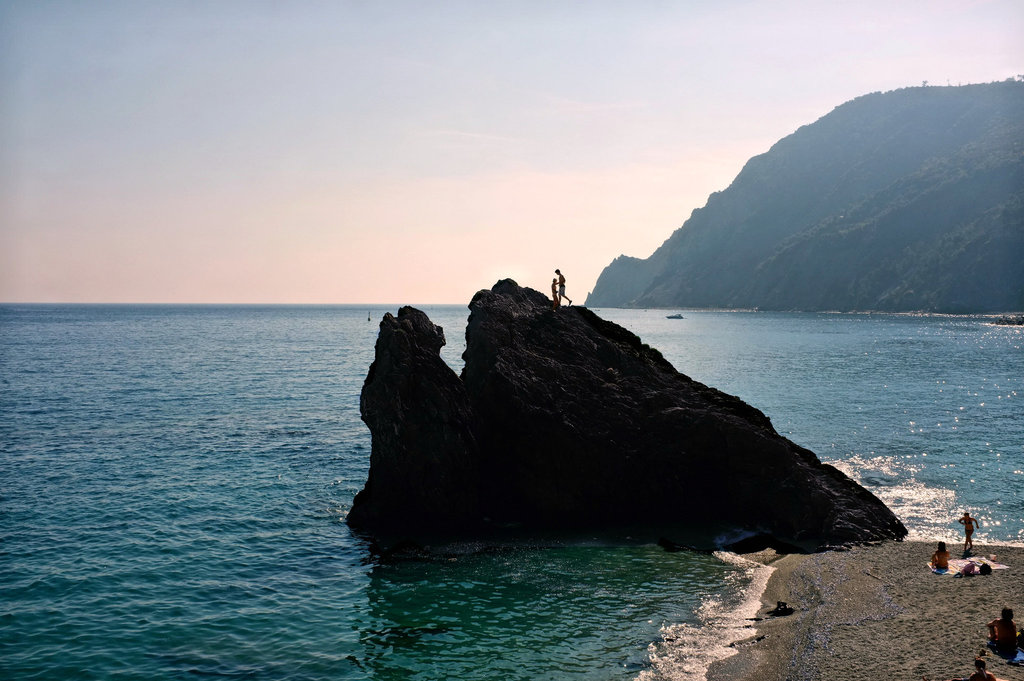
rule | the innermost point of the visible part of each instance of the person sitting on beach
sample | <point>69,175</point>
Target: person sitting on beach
<point>1003,632</point>
<point>969,524</point>
<point>940,559</point>
<point>980,673</point>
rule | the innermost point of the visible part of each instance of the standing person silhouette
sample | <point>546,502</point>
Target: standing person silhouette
<point>969,524</point>
<point>554,294</point>
<point>561,287</point>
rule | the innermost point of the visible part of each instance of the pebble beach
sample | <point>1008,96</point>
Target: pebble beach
<point>877,612</point>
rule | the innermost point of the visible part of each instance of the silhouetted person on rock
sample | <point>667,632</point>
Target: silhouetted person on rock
<point>554,294</point>
<point>561,287</point>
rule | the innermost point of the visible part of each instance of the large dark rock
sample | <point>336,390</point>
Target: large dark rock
<point>564,421</point>
<point>424,462</point>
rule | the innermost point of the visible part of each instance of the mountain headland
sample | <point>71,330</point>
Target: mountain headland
<point>910,200</point>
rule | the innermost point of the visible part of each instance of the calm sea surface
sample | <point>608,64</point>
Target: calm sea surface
<point>174,482</point>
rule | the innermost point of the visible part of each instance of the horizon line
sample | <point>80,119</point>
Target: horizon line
<point>217,303</point>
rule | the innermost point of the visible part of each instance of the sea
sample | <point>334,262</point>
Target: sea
<point>174,482</point>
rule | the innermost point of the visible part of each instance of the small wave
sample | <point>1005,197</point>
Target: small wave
<point>200,665</point>
<point>686,651</point>
<point>928,511</point>
<point>922,508</point>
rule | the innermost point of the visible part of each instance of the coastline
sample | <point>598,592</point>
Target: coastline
<point>876,612</point>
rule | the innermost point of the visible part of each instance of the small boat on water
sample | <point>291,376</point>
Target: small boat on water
<point>674,316</point>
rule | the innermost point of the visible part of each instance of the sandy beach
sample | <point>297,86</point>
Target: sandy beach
<point>874,613</point>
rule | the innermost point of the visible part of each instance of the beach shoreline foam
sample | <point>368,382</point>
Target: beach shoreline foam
<point>876,612</point>
<point>686,651</point>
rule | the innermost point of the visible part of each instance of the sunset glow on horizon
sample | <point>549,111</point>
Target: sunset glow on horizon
<point>351,152</point>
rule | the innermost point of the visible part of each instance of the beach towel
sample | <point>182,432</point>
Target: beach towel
<point>1015,658</point>
<point>956,565</point>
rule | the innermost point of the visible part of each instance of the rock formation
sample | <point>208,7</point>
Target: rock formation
<point>562,421</point>
<point>424,467</point>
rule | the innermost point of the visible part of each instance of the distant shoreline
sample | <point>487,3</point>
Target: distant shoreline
<point>877,612</point>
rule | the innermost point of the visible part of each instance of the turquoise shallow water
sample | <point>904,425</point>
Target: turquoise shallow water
<point>173,483</point>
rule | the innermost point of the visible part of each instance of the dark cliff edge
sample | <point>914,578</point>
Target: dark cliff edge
<point>564,423</point>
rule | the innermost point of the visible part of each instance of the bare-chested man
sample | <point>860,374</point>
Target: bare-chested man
<point>1003,632</point>
<point>561,287</point>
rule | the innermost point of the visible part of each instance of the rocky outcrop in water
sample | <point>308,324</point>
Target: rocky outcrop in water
<point>562,421</point>
<point>424,462</point>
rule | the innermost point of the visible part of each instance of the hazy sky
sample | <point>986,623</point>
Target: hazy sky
<point>414,152</point>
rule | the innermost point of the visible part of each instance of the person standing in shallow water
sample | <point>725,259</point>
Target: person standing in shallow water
<point>969,524</point>
<point>554,294</point>
<point>561,287</point>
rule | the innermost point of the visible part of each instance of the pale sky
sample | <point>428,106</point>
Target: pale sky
<point>414,152</point>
